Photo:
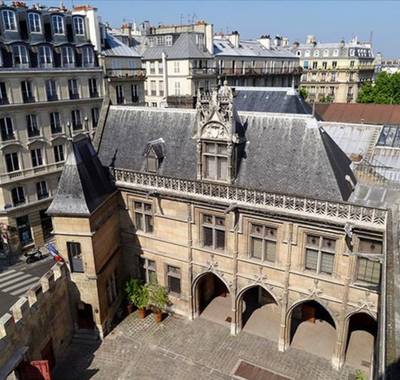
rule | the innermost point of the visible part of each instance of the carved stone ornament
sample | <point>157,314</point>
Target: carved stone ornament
<point>366,304</point>
<point>315,291</point>
<point>214,131</point>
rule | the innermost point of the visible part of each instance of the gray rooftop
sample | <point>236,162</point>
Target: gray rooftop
<point>84,182</point>
<point>249,48</point>
<point>184,47</point>
<point>270,99</point>
<point>116,48</point>
<point>284,153</point>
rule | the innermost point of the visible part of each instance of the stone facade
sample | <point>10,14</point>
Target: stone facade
<point>39,325</point>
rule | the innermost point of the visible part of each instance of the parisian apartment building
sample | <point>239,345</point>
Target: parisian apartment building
<point>51,89</point>
<point>334,72</point>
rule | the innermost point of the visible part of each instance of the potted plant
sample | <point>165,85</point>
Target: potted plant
<point>158,299</point>
<point>137,296</point>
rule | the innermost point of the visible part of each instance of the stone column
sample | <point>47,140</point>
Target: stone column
<point>235,321</point>
<point>190,260</point>
<point>282,343</point>
<point>36,228</point>
<point>339,354</point>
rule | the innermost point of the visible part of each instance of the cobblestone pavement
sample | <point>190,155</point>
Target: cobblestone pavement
<point>182,349</point>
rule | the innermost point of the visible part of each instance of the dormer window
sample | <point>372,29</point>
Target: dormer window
<point>45,56</point>
<point>68,56</point>
<point>58,24</point>
<point>9,20</point>
<point>34,23</point>
<point>154,153</point>
<point>215,161</point>
<point>87,57</point>
<point>20,54</point>
<point>79,25</point>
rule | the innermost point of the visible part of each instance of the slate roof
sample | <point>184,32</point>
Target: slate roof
<point>184,47</point>
<point>249,48</point>
<point>270,99</point>
<point>283,153</point>
<point>115,47</point>
<point>84,182</point>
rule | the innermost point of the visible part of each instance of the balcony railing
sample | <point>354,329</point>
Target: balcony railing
<point>259,71</point>
<point>28,99</point>
<point>139,74</point>
<point>343,212</point>
<point>203,71</point>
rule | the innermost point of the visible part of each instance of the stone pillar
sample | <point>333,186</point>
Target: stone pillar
<point>282,343</point>
<point>235,321</point>
<point>190,260</point>
<point>339,354</point>
<point>36,228</point>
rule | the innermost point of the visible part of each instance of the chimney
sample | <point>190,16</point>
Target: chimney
<point>295,44</point>
<point>310,39</point>
<point>234,38</point>
<point>285,42</point>
<point>265,40</point>
<point>277,41</point>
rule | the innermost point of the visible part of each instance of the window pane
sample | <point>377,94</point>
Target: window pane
<point>312,241</point>
<point>207,237</point>
<point>368,271</point>
<point>220,237</point>
<point>219,221</point>
<point>370,246</point>
<point>328,244</point>
<point>152,276</point>
<point>311,259</point>
<point>138,206</point>
<point>207,219</point>
<point>210,148</point>
<point>222,168</point>
<point>270,233</point>
<point>211,169</point>
<point>270,251</point>
<point>139,221</point>
<point>256,229</point>
<point>147,207</point>
<point>222,149</point>
<point>256,248</point>
<point>174,284</point>
<point>327,262</point>
<point>149,223</point>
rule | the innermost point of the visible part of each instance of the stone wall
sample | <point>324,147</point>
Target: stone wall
<point>43,315</point>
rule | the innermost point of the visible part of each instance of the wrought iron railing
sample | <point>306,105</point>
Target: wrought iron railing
<point>259,70</point>
<point>313,207</point>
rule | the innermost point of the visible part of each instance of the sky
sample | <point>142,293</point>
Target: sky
<point>329,21</point>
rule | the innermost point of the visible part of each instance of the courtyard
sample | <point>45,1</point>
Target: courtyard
<point>179,348</point>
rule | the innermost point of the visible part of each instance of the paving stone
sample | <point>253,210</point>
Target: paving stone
<point>180,349</point>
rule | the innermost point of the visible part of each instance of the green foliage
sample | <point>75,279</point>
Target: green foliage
<point>303,92</point>
<point>360,375</point>
<point>158,296</point>
<point>385,90</point>
<point>136,293</point>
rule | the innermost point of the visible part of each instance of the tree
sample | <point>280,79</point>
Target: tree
<point>385,90</point>
<point>303,92</point>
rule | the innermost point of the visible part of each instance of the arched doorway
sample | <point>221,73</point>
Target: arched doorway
<point>85,316</point>
<point>258,313</point>
<point>212,299</point>
<point>360,344</point>
<point>312,329</point>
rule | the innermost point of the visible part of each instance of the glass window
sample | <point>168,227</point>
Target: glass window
<point>215,161</point>
<point>17,195</point>
<point>26,90</point>
<point>75,257</point>
<point>6,127</point>
<point>32,125</point>
<point>76,120</point>
<point>152,162</point>
<point>213,232</point>
<point>58,153</point>
<point>36,156</point>
<point>9,20</point>
<point>368,270</point>
<point>319,254</point>
<point>58,24</point>
<point>119,90</point>
<point>68,56</point>
<point>150,272</point>
<point>34,23</point>
<point>79,25</point>
<point>95,116</point>
<point>143,216</point>
<point>134,91</point>
<point>24,230</point>
<point>177,88</point>
<point>88,56</point>
<point>174,279</point>
<point>41,190</point>
<point>176,67</point>
<point>55,122</point>
<point>93,93</point>
<point>51,90</point>
<point>20,54</point>
<point>73,89</point>
<point>12,162</point>
<point>263,242</point>
<point>45,56</point>
<point>3,93</point>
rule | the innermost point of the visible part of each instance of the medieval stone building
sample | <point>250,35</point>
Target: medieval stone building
<point>240,215</point>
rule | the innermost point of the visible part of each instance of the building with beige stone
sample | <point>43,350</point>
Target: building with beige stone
<point>50,88</point>
<point>214,204</point>
<point>334,72</point>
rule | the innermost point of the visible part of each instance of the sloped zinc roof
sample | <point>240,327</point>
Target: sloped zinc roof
<point>84,182</point>
<point>270,99</point>
<point>114,47</point>
<point>283,153</point>
<point>184,47</point>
